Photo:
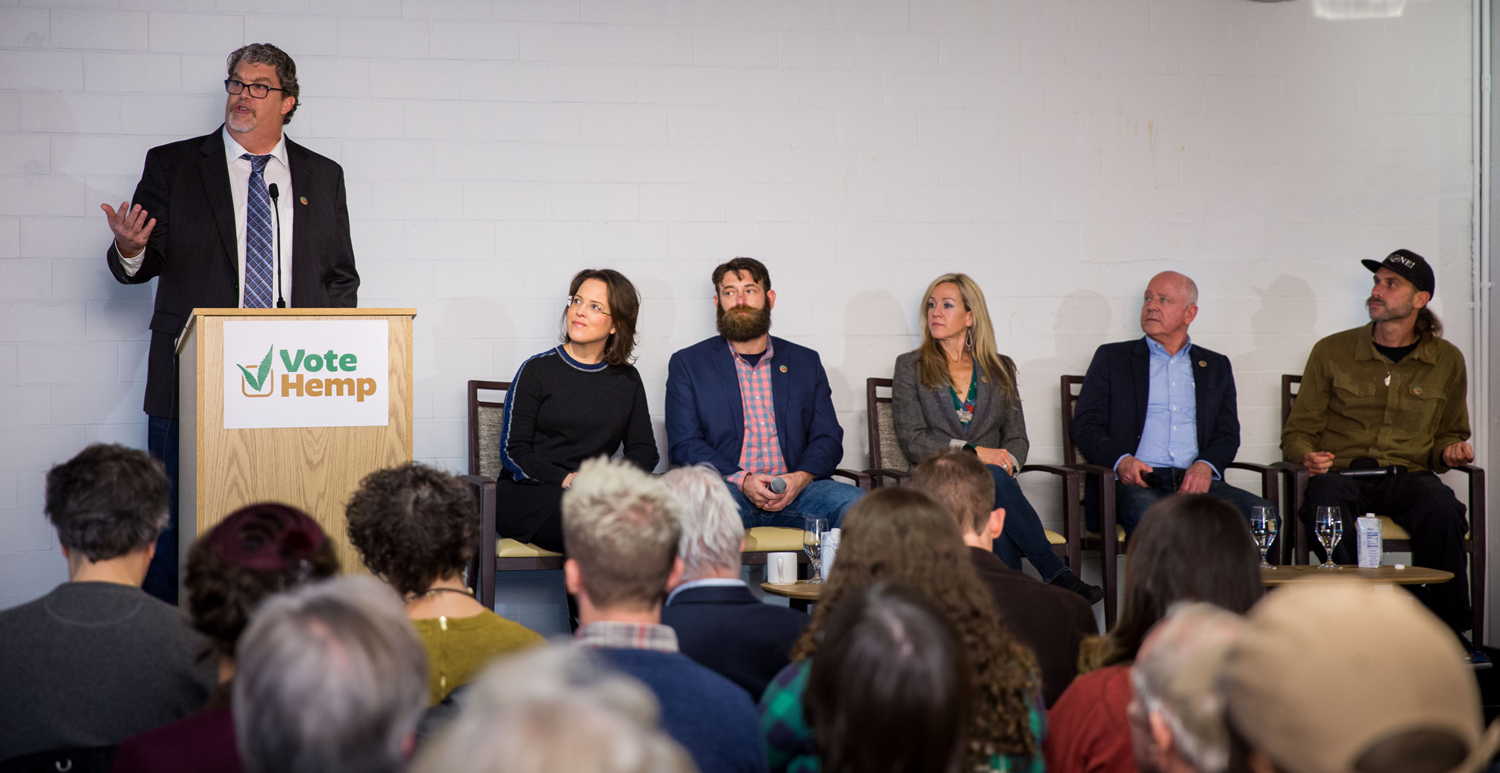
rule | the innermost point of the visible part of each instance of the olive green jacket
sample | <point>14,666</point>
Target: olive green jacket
<point>1355,402</point>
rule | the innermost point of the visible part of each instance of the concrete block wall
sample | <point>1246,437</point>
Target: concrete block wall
<point>1060,152</point>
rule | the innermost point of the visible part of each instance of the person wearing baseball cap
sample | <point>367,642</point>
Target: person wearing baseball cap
<point>1387,401</point>
<point>1341,676</point>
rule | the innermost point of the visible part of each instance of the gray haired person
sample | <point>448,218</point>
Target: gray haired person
<point>331,678</point>
<point>1177,715</point>
<point>718,621</point>
<point>555,709</point>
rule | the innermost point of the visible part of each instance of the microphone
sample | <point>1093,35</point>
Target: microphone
<point>777,485</point>
<point>276,212</point>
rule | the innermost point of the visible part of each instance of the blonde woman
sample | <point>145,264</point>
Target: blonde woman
<point>957,391</point>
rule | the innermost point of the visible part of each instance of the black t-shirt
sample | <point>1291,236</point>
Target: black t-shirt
<point>1396,353</point>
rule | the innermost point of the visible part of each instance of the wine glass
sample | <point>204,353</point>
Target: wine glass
<point>1263,524</point>
<point>812,544</point>
<point>1330,528</point>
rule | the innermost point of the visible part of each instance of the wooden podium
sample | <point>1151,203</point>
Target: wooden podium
<point>314,468</point>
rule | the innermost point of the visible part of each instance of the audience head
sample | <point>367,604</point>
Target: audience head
<point>901,536</point>
<point>256,552</point>
<point>413,525</point>
<point>330,677</point>
<point>554,710</point>
<point>621,528</point>
<point>107,502</point>
<point>948,299</point>
<point>622,307</point>
<point>1177,717</point>
<point>1189,547</point>
<point>712,533</point>
<point>1334,677</point>
<point>890,689</point>
<point>959,482</point>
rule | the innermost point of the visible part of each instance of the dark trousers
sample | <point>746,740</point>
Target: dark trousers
<point>1131,502</point>
<point>1023,534</point>
<point>161,577</point>
<point>1419,503</point>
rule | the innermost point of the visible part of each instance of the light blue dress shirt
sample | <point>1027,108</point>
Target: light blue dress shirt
<point>1170,437</point>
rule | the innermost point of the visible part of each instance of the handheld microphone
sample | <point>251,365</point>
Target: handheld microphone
<point>276,212</point>
<point>777,485</point>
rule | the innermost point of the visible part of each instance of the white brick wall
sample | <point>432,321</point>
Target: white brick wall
<point>1061,152</point>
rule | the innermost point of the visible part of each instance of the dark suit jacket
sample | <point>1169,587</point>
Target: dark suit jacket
<point>1111,410</point>
<point>729,631</point>
<point>185,187</point>
<point>706,418</point>
<point>1051,621</point>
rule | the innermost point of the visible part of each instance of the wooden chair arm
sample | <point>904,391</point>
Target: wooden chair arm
<point>860,479</point>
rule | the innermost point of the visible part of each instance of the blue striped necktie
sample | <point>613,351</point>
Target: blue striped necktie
<point>259,258</point>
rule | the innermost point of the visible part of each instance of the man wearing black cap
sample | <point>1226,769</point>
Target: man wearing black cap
<point>1390,395</point>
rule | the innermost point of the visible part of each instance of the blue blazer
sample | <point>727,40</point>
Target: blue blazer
<point>706,418</point>
<point>1111,409</point>
<point>730,631</point>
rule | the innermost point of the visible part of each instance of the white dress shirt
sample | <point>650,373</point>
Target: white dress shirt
<point>278,170</point>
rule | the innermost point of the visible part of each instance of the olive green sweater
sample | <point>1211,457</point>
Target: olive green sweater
<point>458,647</point>
<point>1355,402</point>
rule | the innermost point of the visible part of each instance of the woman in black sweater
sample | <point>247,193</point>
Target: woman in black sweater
<point>570,403</point>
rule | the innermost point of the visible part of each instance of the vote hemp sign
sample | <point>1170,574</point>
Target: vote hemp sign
<point>309,373</point>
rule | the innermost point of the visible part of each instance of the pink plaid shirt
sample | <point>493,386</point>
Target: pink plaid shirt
<point>760,451</point>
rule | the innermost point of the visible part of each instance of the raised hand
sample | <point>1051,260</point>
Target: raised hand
<point>130,226</point>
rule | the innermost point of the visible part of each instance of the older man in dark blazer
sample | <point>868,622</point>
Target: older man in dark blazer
<point>1161,410</point>
<point>718,621</point>
<point>207,216</point>
<point>757,408</point>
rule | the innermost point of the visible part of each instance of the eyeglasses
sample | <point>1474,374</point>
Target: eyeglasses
<point>592,307</point>
<point>257,90</point>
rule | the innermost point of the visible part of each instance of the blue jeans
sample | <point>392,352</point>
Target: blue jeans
<point>1131,501</point>
<point>1023,534</point>
<point>161,576</point>
<point>821,499</point>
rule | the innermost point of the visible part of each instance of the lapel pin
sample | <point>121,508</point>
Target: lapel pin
<point>1416,390</point>
<point>1203,363</point>
<point>783,368</point>
<point>303,200</point>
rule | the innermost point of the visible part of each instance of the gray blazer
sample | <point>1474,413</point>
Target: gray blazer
<point>926,421</point>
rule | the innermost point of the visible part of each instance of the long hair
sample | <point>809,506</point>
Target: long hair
<point>1428,323</point>
<point>902,536</point>
<point>993,364</point>
<point>890,691</point>
<point>1189,547</point>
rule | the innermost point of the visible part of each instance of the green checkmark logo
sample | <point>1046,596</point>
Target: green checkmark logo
<point>264,370</point>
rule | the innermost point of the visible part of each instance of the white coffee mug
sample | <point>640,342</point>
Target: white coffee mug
<point>781,568</point>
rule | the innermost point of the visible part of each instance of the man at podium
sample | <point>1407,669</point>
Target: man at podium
<point>240,217</point>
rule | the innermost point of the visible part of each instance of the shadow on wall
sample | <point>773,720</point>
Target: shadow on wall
<point>876,331</point>
<point>1083,321</point>
<point>1282,331</point>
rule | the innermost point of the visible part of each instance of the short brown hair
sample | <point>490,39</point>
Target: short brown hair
<point>286,70</point>
<point>624,307</point>
<point>413,525</point>
<point>748,266</point>
<point>959,482</point>
<point>107,501</point>
<point>622,528</point>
